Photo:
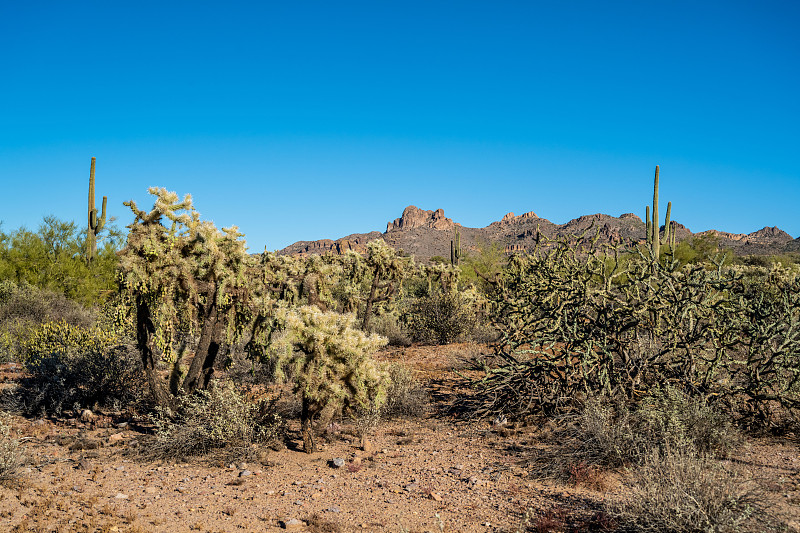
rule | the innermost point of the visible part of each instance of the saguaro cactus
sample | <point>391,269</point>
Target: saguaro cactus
<point>455,248</point>
<point>95,224</point>
<point>653,229</point>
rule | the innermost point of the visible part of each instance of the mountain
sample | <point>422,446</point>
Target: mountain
<point>425,234</point>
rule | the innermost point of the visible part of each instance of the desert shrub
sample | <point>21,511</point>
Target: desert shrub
<point>389,325</point>
<point>404,396</point>
<point>11,459</point>
<point>441,317</point>
<point>682,492</point>
<point>23,307</point>
<point>615,433</point>
<point>666,420</point>
<point>207,420</point>
<point>72,366</point>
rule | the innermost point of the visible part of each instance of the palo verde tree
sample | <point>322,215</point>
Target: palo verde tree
<point>183,277</point>
<point>331,363</point>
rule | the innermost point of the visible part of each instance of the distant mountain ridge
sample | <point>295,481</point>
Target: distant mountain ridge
<point>425,234</point>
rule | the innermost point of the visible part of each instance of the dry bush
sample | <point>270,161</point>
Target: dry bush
<point>388,325</point>
<point>613,434</point>
<point>214,419</point>
<point>681,492</point>
<point>11,459</point>
<point>405,396</point>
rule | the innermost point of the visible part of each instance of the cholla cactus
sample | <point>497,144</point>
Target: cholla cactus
<point>187,276</point>
<point>331,363</point>
<point>388,270</point>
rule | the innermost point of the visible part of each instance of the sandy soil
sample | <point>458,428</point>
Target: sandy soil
<point>431,474</point>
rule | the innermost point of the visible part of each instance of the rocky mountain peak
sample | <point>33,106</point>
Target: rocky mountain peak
<point>773,233</point>
<point>414,217</point>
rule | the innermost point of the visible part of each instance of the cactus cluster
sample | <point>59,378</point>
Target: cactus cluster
<point>95,224</point>
<point>653,230</point>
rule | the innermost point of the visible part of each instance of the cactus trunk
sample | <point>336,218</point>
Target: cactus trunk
<point>656,228</point>
<point>95,224</point>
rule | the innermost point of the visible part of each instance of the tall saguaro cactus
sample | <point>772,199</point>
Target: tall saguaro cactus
<point>95,224</point>
<point>455,248</point>
<point>653,229</point>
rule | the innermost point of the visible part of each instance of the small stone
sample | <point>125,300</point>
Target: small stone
<point>242,466</point>
<point>151,490</point>
<point>292,523</point>
<point>411,486</point>
<point>337,462</point>
<point>121,496</point>
<point>245,473</point>
<point>333,509</point>
<point>122,425</point>
<point>435,497</point>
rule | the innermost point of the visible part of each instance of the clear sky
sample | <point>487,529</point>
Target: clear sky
<point>304,120</point>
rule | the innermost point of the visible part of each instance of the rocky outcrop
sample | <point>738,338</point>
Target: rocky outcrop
<point>423,234</point>
<point>509,218</point>
<point>356,242</point>
<point>772,234</point>
<point>414,217</point>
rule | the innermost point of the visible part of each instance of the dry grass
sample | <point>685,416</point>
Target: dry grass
<point>683,492</point>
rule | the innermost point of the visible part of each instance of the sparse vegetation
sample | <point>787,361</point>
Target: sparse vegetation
<point>11,459</point>
<point>220,417</point>
<point>647,365</point>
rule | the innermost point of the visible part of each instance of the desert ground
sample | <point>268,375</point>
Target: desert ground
<point>432,473</point>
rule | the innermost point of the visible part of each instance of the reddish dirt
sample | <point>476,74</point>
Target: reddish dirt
<point>431,474</point>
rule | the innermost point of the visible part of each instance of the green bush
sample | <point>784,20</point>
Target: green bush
<point>53,258</point>
<point>23,307</point>
<point>75,367</point>
<point>441,317</point>
<point>390,326</point>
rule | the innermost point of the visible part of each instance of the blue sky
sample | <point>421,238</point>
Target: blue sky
<point>307,120</point>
